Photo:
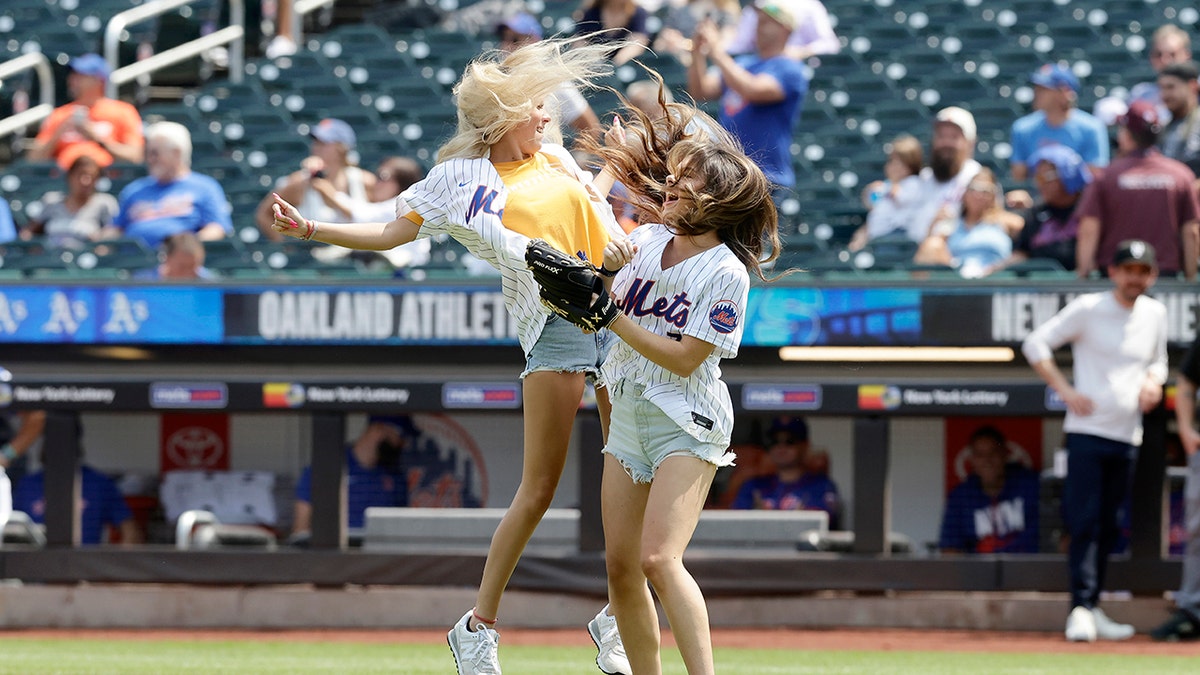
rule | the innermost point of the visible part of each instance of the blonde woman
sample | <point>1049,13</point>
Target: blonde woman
<point>501,180</point>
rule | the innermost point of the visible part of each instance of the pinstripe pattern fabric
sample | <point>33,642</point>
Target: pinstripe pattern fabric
<point>704,297</point>
<point>465,199</point>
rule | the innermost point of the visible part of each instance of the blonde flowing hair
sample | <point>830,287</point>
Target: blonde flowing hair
<point>498,91</point>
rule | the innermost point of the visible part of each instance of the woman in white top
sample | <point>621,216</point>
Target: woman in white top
<point>332,141</point>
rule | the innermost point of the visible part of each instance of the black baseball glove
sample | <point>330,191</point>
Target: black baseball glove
<point>570,287</point>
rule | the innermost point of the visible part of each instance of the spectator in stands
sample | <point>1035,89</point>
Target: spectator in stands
<point>395,175</point>
<point>8,227</point>
<point>572,108</point>
<point>103,508</point>
<point>797,483</point>
<point>1118,343</point>
<point>1052,226</point>
<point>1184,623</point>
<point>172,198</point>
<point>78,216</point>
<point>995,510</point>
<point>182,259</point>
<point>284,42</point>
<point>893,202</point>
<point>1055,119</point>
<point>811,33</point>
<point>1169,44</point>
<point>372,461</point>
<point>1143,195</point>
<point>761,93</point>
<point>979,237</point>
<point>618,22</point>
<point>1180,93</point>
<point>682,18</point>
<point>91,124</point>
<point>643,95</point>
<point>951,167</point>
<point>332,142</point>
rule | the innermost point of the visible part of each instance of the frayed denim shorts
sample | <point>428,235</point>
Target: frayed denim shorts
<point>564,348</point>
<point>641,435</point>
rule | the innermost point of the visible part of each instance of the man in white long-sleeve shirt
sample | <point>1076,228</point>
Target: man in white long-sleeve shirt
<point>1119,342</point>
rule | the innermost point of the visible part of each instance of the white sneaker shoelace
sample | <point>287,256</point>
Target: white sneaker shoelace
<point>481,652</point>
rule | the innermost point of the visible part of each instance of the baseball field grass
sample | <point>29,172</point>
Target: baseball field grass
<point>40,656</point>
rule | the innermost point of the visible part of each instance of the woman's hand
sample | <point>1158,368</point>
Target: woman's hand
<point>615,136</point>
<point>618,253</point>
<point>288,220</point>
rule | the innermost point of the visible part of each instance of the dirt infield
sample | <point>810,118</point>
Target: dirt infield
<point>835,640</point>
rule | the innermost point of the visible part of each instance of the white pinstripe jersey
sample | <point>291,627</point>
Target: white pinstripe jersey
<point>704,297</point>
<point>465,198</point>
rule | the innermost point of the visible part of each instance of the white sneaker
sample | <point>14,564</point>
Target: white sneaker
<point>1107,629</point>
<point>611,659</point>
<point>280,46</point>
<point>475,652</point>
<point>1081,625</point>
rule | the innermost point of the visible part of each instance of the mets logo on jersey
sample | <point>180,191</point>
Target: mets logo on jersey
<point>723,316</point>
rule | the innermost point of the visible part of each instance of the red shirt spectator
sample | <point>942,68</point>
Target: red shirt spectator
<point>91,124</point>
<point>1142,195</point>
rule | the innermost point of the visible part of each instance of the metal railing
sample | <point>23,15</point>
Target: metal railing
<point>31,61</point>
<point>234,35</point>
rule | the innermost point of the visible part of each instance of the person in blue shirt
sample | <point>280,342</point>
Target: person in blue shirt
<point>172,199</point>
<point>102,506</point>
<point>995,510</point>
<point>371,478</point>
<point>761,93</point>
<point>1056,120</point>
<point>795,485</point>
<point>8,228</point>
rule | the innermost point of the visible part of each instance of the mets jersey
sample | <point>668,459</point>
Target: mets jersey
<point>466,198</point>
<point>703,296</point>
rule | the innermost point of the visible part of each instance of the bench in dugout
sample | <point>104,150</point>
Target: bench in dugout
<point>424,530</point>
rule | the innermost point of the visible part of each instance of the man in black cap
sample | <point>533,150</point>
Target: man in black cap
<point>1118,340</point>
<point>1177,85</point>
<point>1144,195</point>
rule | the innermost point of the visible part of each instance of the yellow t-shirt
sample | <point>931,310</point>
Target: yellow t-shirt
<point>546,201</point>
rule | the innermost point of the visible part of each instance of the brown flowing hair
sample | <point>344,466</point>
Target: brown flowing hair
<point>735,200</point>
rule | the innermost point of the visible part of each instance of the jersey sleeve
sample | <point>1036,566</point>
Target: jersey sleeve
<point>718,315</point>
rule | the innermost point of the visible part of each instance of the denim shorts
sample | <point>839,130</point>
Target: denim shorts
<point>641,436</point>
<point>564,348</point>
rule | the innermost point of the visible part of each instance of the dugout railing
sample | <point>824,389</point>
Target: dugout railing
<point>327,561</point>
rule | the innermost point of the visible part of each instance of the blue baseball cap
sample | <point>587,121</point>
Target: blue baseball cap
<point>1054,76</point>
<point>92,65</point>
<point>522,23</point>
<point>1069,166</point>
<point>333,130</point>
